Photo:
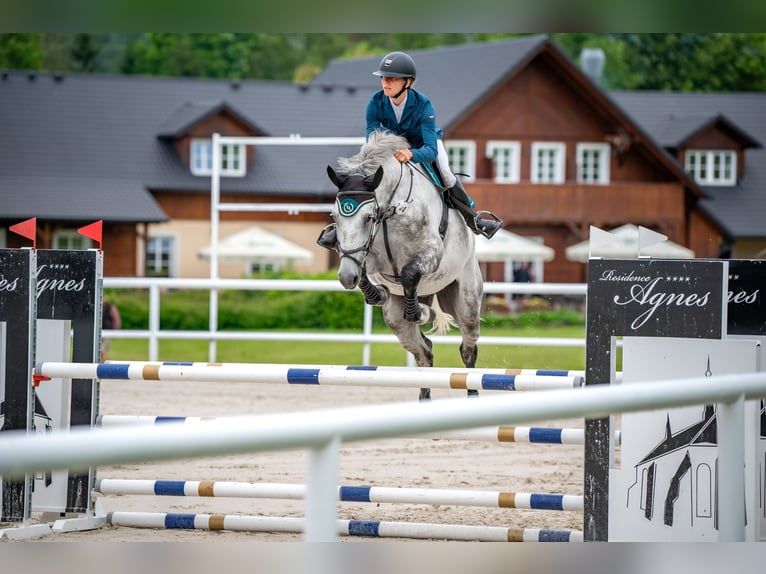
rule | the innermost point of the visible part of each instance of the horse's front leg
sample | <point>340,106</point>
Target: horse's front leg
<point>373,294</point>
<point>413,310</point>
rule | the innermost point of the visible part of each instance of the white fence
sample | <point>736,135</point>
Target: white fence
<point>322,433</point>
<point>156,285</point>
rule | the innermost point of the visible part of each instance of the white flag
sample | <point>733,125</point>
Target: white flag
<point>647,237</point>
<point>599,238</point>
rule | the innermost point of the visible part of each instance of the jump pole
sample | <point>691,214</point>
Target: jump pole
<point>255,373</point>
<point>363,528</point>
<point>503,434</point>
<point>345,493</point>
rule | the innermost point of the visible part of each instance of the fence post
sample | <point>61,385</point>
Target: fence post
<point>321,492</point>
<point>731,470</point>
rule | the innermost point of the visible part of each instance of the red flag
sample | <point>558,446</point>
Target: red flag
<point>27,229</point>
<point>93,231</point>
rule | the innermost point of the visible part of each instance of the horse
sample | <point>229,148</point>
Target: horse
<point>406,250</point>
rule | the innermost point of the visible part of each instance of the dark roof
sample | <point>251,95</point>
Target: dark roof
<point>190,113</point>
<point>88,135</point>
<point>670,117</point>
<point>85,136</point>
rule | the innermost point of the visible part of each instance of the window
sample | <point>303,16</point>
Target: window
<point>69,239</point>
<point>462,158</point>
<point>593,162</point>
<point>505,159</point>
<point>712,167</point>
<point>548,162</point>
<point>232,158</point>
<point>256,267</point>
<point>160,258</point>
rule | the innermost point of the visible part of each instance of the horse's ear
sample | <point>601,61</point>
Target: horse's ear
<point>372,182</point>
<point>333,176</point>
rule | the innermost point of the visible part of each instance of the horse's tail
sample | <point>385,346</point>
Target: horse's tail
<point>443,321</point>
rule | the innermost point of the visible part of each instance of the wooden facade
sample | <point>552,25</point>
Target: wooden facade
<point>538,104</point>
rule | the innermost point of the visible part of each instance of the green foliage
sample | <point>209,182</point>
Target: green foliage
<point>634,61</point>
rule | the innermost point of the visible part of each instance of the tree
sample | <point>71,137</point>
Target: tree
<point>696,62</point>
<point>20,52</point>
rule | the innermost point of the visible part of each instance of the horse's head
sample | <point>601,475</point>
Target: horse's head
<point>356,218</point>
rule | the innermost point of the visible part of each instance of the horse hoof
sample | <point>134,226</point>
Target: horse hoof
<point>473,393</point>
<point>425,395</point>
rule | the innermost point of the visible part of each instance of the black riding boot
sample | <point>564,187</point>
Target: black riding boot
<point>328,238</point>
<point>459,199</point>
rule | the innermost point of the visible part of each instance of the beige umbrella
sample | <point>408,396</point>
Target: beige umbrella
<point>257,244</point>
<point>624,245</point>
<point>505,246</point>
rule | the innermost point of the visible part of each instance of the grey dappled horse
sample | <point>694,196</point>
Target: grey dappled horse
<point>407,252</point>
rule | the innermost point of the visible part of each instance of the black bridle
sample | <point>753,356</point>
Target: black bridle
<point>350,201</point>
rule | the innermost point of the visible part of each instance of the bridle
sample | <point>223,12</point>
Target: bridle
<point>349,202</point>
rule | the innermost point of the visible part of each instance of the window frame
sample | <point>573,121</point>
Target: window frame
<point>454,147</point>
<point>511,165</point>
<point>201,158</point>
<point>173,261</point>
<point>604,150</point>
<point>70,235</point>
<point>560,149</point>
<point>710,156</point>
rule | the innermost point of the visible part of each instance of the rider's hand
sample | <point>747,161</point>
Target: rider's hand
<point>403,155</point>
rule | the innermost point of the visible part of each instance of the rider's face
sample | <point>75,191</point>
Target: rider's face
<point>391,86</point>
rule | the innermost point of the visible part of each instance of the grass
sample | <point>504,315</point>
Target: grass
<point>498,356</point>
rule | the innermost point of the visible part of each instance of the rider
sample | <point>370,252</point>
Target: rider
<point>398,108</point>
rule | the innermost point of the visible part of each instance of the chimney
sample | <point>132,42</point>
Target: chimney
<point>592,63</point>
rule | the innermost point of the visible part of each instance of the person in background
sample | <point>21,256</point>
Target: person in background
<point>110,319</point>
<point>402,110</point>
<point>522,274</point>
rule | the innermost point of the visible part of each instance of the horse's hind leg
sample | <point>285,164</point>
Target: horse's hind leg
<point>409,335</point>
<point>462,300</point>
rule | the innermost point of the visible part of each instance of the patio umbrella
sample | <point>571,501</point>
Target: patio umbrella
<point>257,244</point>
<point>505,246</point>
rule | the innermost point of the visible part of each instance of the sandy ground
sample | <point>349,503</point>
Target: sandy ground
<point>411,462</point>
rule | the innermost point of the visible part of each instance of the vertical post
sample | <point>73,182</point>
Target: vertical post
<point>367,333</point>
<point>322,492</point>
<point>154,321</point>
<point>215,200</point>
<point>731,471</point>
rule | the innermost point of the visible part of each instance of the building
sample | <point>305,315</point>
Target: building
<point>542,144</point>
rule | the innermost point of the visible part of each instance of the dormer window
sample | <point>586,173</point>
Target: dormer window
<point>232,158</point>
<point>712,167</point>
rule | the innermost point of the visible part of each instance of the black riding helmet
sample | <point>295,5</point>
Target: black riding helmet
<point>396,65</point>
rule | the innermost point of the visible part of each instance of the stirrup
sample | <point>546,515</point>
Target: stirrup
<point>328,237</point>
<point>487,225</point>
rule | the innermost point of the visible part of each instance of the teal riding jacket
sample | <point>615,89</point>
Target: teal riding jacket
<point>418,123</point>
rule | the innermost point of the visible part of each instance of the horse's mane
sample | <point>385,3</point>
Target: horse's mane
<point>379,148</point>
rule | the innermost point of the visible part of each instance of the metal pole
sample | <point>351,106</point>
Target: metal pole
<point>731,471</point>
<point>322,492</point>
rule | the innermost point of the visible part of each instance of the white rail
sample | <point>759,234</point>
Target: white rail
<point>154,334</point>
<point>322,432</point>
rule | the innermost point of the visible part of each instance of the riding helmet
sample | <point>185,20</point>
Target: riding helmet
<point>396,65</point>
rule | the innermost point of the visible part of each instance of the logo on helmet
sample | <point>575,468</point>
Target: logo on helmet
<point>388,62</point>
